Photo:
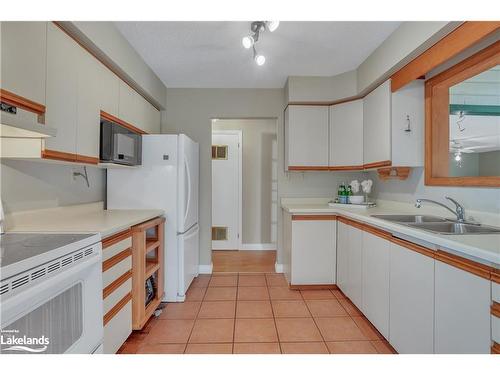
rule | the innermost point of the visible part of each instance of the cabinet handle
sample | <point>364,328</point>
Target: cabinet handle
<point>408,124</point>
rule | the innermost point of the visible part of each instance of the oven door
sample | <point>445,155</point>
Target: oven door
<point>62,314</point>
<point>127,146</point>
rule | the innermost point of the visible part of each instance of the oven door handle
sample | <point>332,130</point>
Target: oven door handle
<point>28,296</point>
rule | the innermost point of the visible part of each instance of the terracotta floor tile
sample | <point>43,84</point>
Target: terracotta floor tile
<point>252,280</point>
<point>207,331</point>
<point>338,293</point>
<point>209,348</point>
<point>283,293</point>
<point>217,310</point>
<point>217,281</point>
<point>317,294</point>
<point>326,308</point>
<point>304,348</point>
<point>276,280</point>
<point>257,348</point>
<point>290,309</point>
<point>297,330</point>
<point>252,293</point>
<point>170,332</point>
<point>351,347</point>
<point>350,308</point>
<point>254,309</point>
<point>180,310</point>
<point>161,349</point>
<point>201,281</point>
<point>367,328</point>
<point>129,348</point>
<point>255,330</point>
<point>339,329</point>
<point>383,347</point>
<point>221,294</point>
<point>195,294</point>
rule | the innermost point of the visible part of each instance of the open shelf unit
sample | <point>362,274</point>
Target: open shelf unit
<point>147,262</point>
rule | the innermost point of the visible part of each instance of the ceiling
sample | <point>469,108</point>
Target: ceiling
<point>210,54</point>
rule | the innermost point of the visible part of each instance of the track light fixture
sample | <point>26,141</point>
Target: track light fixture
<point>250,40</point>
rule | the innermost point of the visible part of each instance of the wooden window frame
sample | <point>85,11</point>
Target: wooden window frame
<point>437,116</point>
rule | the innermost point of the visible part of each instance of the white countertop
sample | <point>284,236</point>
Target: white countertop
<point>484,248</point>
<point>87,218</point>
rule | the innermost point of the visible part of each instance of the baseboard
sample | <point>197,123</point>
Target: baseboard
<point>278,268</point>
<point>258,246</point>
<point>205,268</point>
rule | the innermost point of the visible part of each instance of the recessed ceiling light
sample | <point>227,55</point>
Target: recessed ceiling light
<point>247,41</point>
<point>272,25</point>
<point>260,59</point>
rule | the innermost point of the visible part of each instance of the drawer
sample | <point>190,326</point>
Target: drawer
<point>495,329</point>
<point>116,248</point>
<point>117,330</point>
<point>495,292</point>
<point>116,270</point>
<point>117,295</point>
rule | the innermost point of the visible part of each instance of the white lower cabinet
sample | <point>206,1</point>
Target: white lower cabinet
<point>342,256</point>
<point>375,281</point>
<point>411,329</point>
<point>462,311</point>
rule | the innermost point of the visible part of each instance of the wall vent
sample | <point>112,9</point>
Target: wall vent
<point>219,152</point>
<point>219,233</point>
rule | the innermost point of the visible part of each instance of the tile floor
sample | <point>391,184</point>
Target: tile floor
<point>257,313</point>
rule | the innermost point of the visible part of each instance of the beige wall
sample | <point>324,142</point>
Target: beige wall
<point>257,146</point>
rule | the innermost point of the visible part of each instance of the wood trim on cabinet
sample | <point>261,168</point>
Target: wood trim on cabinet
<point>351,222</point>
<point>313,287</point>
<point>414,247</point>
<point>307,168</point>
<point>495,276</point>
<point>495,309</point>
<point>461,38</point>
<point>470,266</point>
<point>377,164</point>
<point>21,102</point>
<point>115,238</point>
<point>346,168</point>
<point>495,348</point>
<point>400,173</point>
<point>314,217</point>
<point>58,155</point>
<point>377,232</point>
<point>116,308</point>
<point>147,224</point>
<point>123,123</point>
<point>87,159</point>
<point>116,284</point>
<point>109,263</point>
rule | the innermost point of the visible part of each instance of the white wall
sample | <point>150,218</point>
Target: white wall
<point>29,185</point>
<point>257,146</point>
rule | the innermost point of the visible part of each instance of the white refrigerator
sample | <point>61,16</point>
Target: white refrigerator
<point>168,180</point>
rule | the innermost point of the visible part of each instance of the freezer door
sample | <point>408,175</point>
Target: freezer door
<point>188,246</point>
<point>188,170</point>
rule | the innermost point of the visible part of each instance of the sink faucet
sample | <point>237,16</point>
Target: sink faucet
<point>459,209</point>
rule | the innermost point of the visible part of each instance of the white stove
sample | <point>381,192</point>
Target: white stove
<point>50,293</point>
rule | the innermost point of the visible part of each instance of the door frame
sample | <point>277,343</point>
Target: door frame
<point>239,133</point>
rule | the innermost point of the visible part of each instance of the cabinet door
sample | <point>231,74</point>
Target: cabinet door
<point>342,256</point>
<point>23,51</point>
<point>355,270</point>
<point>408,112</point>
<point>63,55</point>
<point>375,289</point>
<point>377,124</point>
<point>153,119</point>
<point>306,129</point>
<point>313,252</point>
<point>462,311</point>
<point>109,92</point>
<point>346,134</point>
<point>411,299</point>
<point>130,106</point>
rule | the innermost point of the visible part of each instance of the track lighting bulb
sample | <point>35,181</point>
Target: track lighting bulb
<point>247,41</point>
<point>260,59</point>
<point>272,25</point>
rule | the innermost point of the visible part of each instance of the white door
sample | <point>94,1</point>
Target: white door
<point>225,190</point>
<point>188,183</point>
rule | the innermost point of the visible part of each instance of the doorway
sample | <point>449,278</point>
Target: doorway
<point>244,188</point>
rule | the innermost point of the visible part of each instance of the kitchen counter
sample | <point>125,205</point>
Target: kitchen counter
<point>86,218</point>
<point>483,248</point>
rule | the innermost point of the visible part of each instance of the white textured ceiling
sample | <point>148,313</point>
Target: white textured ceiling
<point>210,54</point>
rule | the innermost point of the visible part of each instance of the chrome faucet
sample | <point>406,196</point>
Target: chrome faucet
<point>459,209</point>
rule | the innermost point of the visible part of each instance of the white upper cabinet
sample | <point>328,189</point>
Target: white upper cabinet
<point>137,111</point>
<point>377,125</point>
<point>408,119</point>
<point>462,311</point>
<point>153,119</point>
<point>63,56</point>
<point>23,51</point>
<point>411,299</point>
<point>109,90</point>
<point>375,287</point>
<point>346,134</point>
<point>306,137</point>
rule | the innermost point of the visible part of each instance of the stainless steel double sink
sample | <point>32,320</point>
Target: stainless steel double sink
<point>438,224</point>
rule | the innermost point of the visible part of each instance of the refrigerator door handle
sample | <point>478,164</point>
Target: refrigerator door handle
<point>188,174</point>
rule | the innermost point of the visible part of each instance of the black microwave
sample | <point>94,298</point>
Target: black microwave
<point>119,145</point>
